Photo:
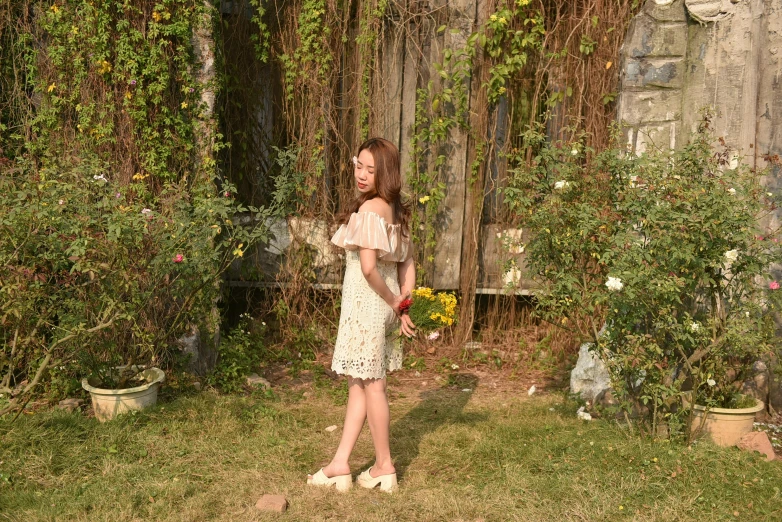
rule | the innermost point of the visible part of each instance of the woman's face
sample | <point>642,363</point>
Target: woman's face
<point>364,172</point>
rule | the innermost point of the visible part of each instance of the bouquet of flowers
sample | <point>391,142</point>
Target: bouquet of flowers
<point>430,311</point>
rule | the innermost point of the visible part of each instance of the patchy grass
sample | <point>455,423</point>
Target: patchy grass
<point>462,455</point>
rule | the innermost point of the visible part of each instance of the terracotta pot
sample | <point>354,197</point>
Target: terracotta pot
<point>724,426</point>
<point>107,403</point>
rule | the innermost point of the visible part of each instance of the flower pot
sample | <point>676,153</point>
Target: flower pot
<point>724,426</point>
<point>107,403</point>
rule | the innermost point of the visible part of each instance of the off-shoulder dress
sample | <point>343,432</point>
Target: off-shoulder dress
<point>367,343</point>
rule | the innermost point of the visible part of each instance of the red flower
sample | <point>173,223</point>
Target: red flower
<point>178,258</point>
<point>404,306</point>
<point>773,285</point>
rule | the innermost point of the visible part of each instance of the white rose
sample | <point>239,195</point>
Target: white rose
<point>614,284</point>
<point>732,255</point>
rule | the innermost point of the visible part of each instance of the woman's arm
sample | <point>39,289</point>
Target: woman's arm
<point>368,258</point>
<point>406,272</point>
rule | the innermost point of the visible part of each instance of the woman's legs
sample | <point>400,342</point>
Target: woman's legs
<point>379,419</point>
<point>354,422</point>
<point>366,400</point>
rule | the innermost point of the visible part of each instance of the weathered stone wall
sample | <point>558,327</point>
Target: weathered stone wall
<point>681,56</point>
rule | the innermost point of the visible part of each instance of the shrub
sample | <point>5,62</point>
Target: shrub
<point>667,251</point>
<point>97,274</point>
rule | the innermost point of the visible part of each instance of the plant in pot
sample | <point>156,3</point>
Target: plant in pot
<point>664,249</point>
<point>99,275</point>
<point>686,315</point>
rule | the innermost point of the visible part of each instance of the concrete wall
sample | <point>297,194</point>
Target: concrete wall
<point>681,56</point>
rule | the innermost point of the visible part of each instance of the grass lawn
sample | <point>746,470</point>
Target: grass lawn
<point>482,454</point>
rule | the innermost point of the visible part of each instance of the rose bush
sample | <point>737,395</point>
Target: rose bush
<point>667,251</point>
<point>95,274</point>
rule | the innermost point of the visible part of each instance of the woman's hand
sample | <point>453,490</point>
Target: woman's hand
<point>407,328</point>
<point>398,301</point>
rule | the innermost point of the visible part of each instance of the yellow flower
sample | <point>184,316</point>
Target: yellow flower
<point>74,29</point>
<point>128,95</point>
<point>156,16</point>
<point>493,17</point>
<point>522,3</point>
<point>54,8</point>
<point>423,200</point>
<point>104,67</point>
<point>424,293</point>
<point>184,105</point>
<point>503,20</point>
<point>139,176</point>
<point>239,252</point>
<point>52,87</point>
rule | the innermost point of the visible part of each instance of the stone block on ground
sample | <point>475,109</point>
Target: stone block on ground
<point>256,380</point>
<point>590,377</point>
<point>69,404</point>
<point>757,386</point>
<point>757,441</point>
<point>276,503</point>
<point>203,355</point>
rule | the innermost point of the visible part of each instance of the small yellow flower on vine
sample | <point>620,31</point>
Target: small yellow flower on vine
<point>128,95</point>
<point>503,20</point>
<point>501,90</point>
<point>54,8</point>
<point>156,16</point>
<point>184,105</point>
<point>493,18</point>
<point>105,67</point>
<point>74,29</point>
<point>522,3</point>
<point>51,87</point>
<point>239,252</point>
<point>423,199</point>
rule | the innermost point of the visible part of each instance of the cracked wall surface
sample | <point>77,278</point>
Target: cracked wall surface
<point>681,56</point>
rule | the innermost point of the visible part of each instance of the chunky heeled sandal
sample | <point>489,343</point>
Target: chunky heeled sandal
<point>341,482</point>
<point>387,482</point>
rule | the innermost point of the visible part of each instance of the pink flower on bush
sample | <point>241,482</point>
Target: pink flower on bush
<point>773,285</point>
<point>178,258</point>
<point>228,194</point>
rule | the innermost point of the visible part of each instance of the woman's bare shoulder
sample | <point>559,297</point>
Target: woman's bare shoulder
<point>379,207</point>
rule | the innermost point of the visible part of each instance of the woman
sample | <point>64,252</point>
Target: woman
<point>379,275</point>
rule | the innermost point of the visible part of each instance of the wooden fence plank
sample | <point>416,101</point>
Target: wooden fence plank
<point>461,19</point>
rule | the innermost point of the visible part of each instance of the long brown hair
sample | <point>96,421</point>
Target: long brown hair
<point>388,184</point>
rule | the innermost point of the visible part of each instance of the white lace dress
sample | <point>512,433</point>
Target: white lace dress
<point>367,341</point>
